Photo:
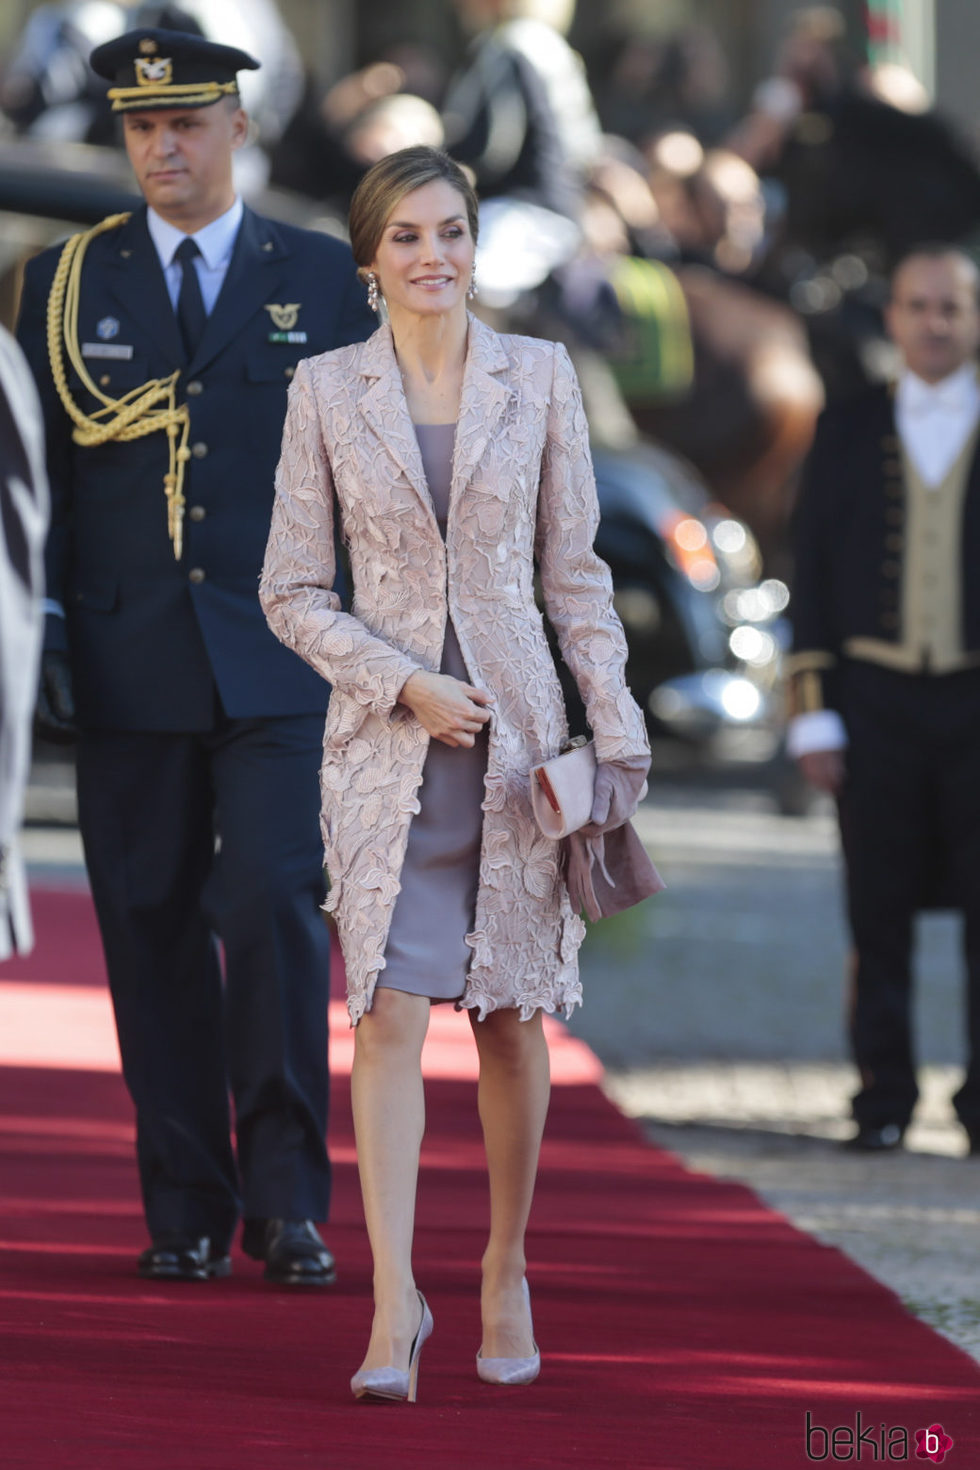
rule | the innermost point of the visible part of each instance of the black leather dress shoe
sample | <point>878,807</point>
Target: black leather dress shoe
<point>292,1250</point>
<point>176,1258</point>
<point>876,1140</point>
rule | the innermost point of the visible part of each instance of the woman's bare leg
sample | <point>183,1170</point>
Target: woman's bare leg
<point>515,1083</point>
<point>389,1119</point>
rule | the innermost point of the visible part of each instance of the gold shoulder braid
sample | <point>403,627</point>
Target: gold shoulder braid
<point>137,413</point>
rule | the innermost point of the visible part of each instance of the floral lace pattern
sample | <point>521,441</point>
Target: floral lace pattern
<point>522,488</point>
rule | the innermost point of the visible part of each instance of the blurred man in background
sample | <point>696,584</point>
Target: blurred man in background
<point>886,668</point>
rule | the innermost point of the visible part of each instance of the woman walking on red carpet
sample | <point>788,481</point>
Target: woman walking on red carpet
<point>454,458</point>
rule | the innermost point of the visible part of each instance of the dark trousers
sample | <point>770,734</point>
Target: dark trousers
<point>910,823</point>
<point>192,839</point>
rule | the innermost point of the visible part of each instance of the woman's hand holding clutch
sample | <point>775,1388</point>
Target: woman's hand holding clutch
<point>446,708</point>
<point>620,786</point>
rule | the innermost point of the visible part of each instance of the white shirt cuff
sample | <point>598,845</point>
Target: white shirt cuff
<point>821,729</point>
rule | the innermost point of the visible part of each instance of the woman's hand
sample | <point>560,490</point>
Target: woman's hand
<point>448,709</point>
<point>619,788</point>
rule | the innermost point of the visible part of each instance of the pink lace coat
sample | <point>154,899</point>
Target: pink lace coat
<point>522,488</point>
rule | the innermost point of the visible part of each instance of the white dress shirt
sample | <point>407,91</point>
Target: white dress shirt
<point>215,241</point>
<point>934,421</point>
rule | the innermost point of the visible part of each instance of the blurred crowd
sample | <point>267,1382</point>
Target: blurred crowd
<point>716,275</point>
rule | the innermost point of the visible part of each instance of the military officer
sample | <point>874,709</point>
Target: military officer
<point>163,343</point>
<point>886,668</point>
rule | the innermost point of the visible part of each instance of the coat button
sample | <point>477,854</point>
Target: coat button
<point>199,450</point>
<point>196,575</point>
<point>197,512</point>
<point>289,371</point>
<point>193,388</point>
<point>105,380</point>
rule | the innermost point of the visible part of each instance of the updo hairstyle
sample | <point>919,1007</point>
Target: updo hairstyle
<point>390,179</point>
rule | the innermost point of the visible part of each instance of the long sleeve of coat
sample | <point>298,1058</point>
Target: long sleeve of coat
<point>296,589</point>
<point>576,583</point>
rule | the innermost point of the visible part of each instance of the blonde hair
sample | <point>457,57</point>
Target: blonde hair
<point>390,180</point>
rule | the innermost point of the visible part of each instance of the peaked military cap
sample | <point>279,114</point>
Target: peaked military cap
<point>163,68</point>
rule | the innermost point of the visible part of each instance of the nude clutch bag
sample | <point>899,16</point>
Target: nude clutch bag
<point>562,789</point>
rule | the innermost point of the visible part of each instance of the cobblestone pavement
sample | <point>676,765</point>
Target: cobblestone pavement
<point>717,1009</point>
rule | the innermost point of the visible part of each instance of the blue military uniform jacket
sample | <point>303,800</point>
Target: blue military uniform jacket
<point>151,637</point>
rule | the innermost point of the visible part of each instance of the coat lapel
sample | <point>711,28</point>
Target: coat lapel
<point>385,408</point>
<point>256,268</point>
<point>482,401</point>
<point>137,281</point>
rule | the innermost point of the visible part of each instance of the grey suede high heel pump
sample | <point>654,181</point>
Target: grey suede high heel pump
<point>512,1370</point>
<point>392,1385</point>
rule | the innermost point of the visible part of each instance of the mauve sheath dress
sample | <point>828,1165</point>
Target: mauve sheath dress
<point>426,953</point>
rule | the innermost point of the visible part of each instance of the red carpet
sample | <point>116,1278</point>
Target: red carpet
<point>684,1325</point>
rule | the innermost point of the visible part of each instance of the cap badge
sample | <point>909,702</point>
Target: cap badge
<point>284,317</point>
<point>156,73</point>
<point>148,47</point>
<point>107,328</point>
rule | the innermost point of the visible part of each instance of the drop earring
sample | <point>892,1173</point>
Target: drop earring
<point>471,288</point>
<point>374,295</point>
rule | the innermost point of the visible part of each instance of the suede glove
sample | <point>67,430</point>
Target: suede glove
<point>620,786</point>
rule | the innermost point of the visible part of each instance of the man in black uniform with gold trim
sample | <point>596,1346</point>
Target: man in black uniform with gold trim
<point>885,673</point>
<point>163,344</point>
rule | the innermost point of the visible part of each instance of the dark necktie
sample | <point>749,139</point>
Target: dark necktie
<point>191,315</point>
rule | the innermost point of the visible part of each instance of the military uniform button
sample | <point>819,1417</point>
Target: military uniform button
<point>196,575</point>
<point>194,387</point>
<point>289,371</point>
<point>197,512</point>
<point>105,380</point>
<point>199,450</point>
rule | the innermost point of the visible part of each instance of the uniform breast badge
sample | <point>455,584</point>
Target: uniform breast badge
<point>107,328</point>
<point>284,319</point>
